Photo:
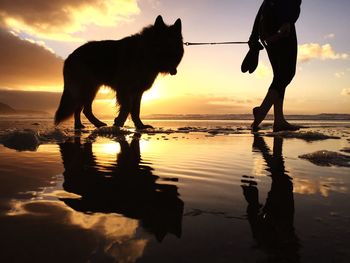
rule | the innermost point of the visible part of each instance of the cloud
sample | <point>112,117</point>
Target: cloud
<point>339,74</point>
<point>311,51</point>
<point>27,63</point>
<point>103,105</point>
<point>153,3</point>
<point>329,36</point>
<point>345,92</point>
<point>111,237</point>
<point>60,19</point>
<point>40,43</point>
<point>31,100</point>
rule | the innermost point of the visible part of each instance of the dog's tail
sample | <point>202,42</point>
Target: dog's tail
<point>66,108</point>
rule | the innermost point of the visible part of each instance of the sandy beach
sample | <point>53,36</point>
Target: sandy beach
<point>188,191</point>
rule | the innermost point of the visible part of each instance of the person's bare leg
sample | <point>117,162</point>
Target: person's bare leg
<point>278,112</point>
<point>280,123</point>
<point>261,111</point>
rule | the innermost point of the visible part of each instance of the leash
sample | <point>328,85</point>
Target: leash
<point>213,43</point>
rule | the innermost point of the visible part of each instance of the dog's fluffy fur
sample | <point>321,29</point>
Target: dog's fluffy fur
<point>129,66</point>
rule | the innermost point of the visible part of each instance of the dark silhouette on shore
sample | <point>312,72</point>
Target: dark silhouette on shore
<point>272,224</point>
<point>128,66</point>
<point>275,27</point>
<point>127,187</point>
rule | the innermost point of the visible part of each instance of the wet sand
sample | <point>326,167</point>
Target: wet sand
<point>193,191</point>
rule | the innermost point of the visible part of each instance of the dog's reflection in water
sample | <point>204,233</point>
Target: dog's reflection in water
<point>126,187</point>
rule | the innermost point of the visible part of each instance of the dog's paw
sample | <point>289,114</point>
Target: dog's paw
<point>100,124</point>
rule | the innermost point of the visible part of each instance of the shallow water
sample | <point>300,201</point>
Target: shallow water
<point>187,195</point>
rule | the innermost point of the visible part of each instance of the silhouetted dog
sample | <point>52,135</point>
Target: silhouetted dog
<point>129,66</point>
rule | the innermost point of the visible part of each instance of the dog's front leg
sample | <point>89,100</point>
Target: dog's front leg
<point>135,112</point>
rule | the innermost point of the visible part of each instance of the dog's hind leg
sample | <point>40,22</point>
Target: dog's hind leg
<point>90,116</point>
<point>124,101</point>
<point>77,121</point>
<point>89,96</point>
<point>135,111</point>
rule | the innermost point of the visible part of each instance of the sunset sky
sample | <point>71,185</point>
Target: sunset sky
<point>36,36</point>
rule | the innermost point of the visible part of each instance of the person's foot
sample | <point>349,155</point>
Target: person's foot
<point>257,121</point>
<point>254,128</point>
<point>285,127</point>
<point>79,126</point>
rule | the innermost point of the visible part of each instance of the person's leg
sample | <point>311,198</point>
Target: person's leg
<point>278,110</point>
<point>282,56</point>
<point>274,52</point>
<point>280,123</point>
<point>286,72</point>
<point>261,111</point>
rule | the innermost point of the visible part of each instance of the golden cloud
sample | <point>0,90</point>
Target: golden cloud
<point>345,92</point>
<point>311,51</point>
<point>60,19</point>
<point>323,186</point>
<point>27,63</point>
<point>339,74</point>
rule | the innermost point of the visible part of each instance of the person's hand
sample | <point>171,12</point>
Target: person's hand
<point>251,60</point>
<point>255,44</point>
<point>285,29</point>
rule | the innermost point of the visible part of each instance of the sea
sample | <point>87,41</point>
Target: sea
<point>189,190</point>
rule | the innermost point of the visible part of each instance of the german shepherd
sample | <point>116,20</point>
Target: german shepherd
<point>129,66</point>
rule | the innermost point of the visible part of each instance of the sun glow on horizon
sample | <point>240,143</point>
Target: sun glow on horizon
<point>107,95</point>
<point>209,81</point>
<point>152,94</point>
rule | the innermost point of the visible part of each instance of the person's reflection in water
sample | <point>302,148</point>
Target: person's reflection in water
<point>126,187</point>
<point>272,224</point>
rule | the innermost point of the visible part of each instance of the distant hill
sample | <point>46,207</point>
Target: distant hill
<point>6,109</point>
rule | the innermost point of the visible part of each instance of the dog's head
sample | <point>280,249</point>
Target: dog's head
<point>167,45</point>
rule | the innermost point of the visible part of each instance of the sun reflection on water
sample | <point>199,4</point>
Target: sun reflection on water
<point>106,147</point>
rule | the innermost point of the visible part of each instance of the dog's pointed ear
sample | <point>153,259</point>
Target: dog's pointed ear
<point>159,22</point>
<point>178,25</point>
